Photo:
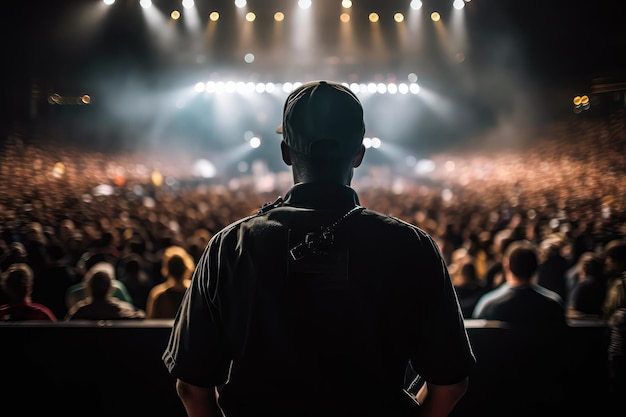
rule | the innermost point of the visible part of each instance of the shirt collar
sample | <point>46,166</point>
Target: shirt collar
<point>321,196</point>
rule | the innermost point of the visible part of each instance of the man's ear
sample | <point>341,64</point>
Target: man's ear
<point>284,150</point>
<point>358,159</point>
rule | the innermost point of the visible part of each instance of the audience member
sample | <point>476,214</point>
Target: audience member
<point>17,281</point>
<point>100,304</point>
<point>551,273</point>
<point>165,298</point>
<point>79,291</point>
<point>589,293</point>
<point>136,279</point>
<point>165,303</point>
<point>615,266</point>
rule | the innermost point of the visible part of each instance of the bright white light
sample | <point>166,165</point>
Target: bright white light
<point>240,3</point>
<point>414,88</point>
<point>250,86</point>
<point>231,86</point>
<point>392,88</point>
<point>204,168</point>
<point>248,135</point>
<point>450,166</point>
<point>187,4</point>
<point>287,87</point>
<point>371,88</point>
<point>446,195</point>
<point>260,88</point>
<point>108,2</point>
<point>458,4</point>
<point>200,87</point>
<point>403,88</point>
<point>296,84</point>
<point>249,58</point>
<point>381,88</point>
<point>241,87</point>
<point>210,87</point>
<point>145,3</point>
<point>304,4</point>
<point>255,142</point>
<point>412,77</point>
<point>367,142</point>
<point>416,4</point>
<point>346,4</point>
<point>376,143</point>
<point>355,88</point>
<point>270,87</point>
<point>220,87</point>
<point>424,166</point>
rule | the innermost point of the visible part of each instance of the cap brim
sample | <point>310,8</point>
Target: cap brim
<point>279,129</point>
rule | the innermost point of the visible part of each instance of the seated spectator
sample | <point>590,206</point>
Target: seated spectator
<point>17,282</point>
<point>590,291</point>
<point>165,298</point>
<point>100,304</point>
<point>518,300</point>
<point>78,292</point>
<point>469,288</point>
<point>615,267</point>
<point>135,277</point>
<point>535,354</point>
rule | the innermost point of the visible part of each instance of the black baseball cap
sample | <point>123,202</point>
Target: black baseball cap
<point>323,119</point>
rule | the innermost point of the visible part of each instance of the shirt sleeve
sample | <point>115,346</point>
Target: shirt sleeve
<point>443,354</point>
<point>197,350</point>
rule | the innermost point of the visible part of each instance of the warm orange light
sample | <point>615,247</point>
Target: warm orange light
<point>214,16</point>
<point>584,100</point>
<point>435,16</point>
<point>175,15</point>
<point>398,17</point>
<point>85,99</point>
<point>577,100</point>
<point>250,17</point>
<point>373,17</point>
<point>345,17</point>
<point>279,16</point>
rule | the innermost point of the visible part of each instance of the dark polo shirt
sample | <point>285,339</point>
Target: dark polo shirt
<point>330,333</point>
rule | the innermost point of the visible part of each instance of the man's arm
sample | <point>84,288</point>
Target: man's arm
<point>439,400</point>
<point>198,401</point>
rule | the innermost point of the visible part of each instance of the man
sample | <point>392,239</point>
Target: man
<point>17,281</point>
<point>315,306</point>
<point>615,267</point>
<point>519,300</point>
<point>533,351</point>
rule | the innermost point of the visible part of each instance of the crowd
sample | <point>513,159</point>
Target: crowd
<point>86,235</point>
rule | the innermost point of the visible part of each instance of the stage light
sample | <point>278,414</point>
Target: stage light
<point>287,87</point>
<point>373,17</point>
<point>346,4</point>
<point>392,88</point>
<point>175,15</point>
<point>214,16</point>
<point>414,88</point>
<point>376,143</point>
<point>345,17</point>
<point>416,4</point>
<point>412,77</point>
<point>188,4</point>
<point>381,88</point>
<point>577,100</point>
<point>108,2</point>
<point>458,4</point>
<point>371,88</point>
<point>145,3</point>
<point>279,16</point>
<point>435,16</point>
<point>250,17</point>
<point>85,99</point>
<point>248,58</point>
<point>200,87</point>
<point>398,17</point>
<point>356,88</point>
<point>403,88</point>
<point>240,3</point>
<point>270,87</point>
<point>584,100</point>
<point>304,4</point>
<point>260,88</point>
<point>255,142</point>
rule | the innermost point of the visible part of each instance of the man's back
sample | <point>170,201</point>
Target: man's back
<point>341,326</point>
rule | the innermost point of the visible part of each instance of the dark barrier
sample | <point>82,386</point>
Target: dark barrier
<point>115,370</point>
